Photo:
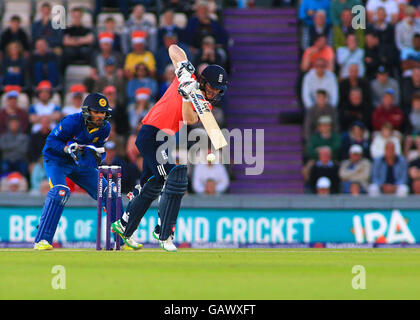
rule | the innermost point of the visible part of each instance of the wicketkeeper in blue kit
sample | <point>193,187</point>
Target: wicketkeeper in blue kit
<point>71,151</point>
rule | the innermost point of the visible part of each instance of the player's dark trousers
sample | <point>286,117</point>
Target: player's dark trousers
<point>157,167</point>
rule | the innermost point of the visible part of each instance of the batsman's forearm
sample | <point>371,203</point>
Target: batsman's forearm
<point>188,114</point>
<point>177,55</point>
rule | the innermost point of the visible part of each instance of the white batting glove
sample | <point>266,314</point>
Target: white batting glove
<point>184,71</point>
<point>186,88</point>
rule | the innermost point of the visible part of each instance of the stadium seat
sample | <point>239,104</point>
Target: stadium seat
<point>23,101</point>
<point>88,4</point>
<point>118,17</point>
<point>151,17</point>
<point>180,20</point>
<point>18,6</point>
<point>75,74</point>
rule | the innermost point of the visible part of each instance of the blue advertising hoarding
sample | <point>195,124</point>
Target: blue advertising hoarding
<point>233,226</point>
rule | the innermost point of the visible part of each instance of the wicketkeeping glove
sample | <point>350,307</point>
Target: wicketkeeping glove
<point>72,150</point>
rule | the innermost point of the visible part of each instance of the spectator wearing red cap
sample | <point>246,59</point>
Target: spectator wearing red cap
<point>14,182</point>
<point>119,112</point>
<point>111,78</point>
<point>44,64</point>
<point>77,92</point>
<point>106,40</point>
<point>78,40</point>
<point>137,22</point>
<point>100,59</point>
<point>139,109</point>
<point>109,26</point>
<point>11,108</point>
<point>45,107</point>
<point>142,79</point>
<point>139,55</point>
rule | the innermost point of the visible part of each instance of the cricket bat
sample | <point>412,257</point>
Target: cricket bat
<point>210,125</point>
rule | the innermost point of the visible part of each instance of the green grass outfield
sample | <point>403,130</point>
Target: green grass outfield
<point>211,274</point>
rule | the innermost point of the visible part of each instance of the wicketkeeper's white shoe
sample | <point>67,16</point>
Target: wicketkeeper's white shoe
<point>168,245</point>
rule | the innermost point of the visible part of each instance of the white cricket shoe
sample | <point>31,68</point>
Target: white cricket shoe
<point>168,245</point>
<point>118,228</point>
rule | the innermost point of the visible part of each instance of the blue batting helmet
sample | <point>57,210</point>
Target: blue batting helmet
<point>216,77</point>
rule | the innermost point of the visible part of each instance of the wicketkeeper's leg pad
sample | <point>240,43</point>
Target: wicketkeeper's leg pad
<point>54,204</point>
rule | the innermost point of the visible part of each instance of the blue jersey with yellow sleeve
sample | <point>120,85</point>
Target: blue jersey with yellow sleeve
<point>73,129</point>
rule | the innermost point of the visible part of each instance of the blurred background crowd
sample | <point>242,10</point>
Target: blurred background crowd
<point>359,85</point>
<point>118,48</point>
<point>360,92</point>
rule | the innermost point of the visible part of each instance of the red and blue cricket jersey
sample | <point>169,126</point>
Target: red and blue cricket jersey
<point>166,114</point>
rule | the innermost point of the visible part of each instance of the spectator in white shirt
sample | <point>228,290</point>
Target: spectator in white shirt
<point>390,7</point>
<point>210,178</point>
<point>45,107</point>
<point>406,28</point>
<point>319,78</point>
<point>350,54</point>
<point>387,134</point>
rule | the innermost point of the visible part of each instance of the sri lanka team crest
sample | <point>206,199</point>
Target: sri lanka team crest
<point>102,102</point>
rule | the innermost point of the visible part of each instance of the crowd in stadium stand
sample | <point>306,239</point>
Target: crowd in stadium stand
<point>119,51</point>
<point>360,89</point>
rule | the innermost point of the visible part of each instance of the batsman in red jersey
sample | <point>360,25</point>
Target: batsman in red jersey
<point>160,177</point>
